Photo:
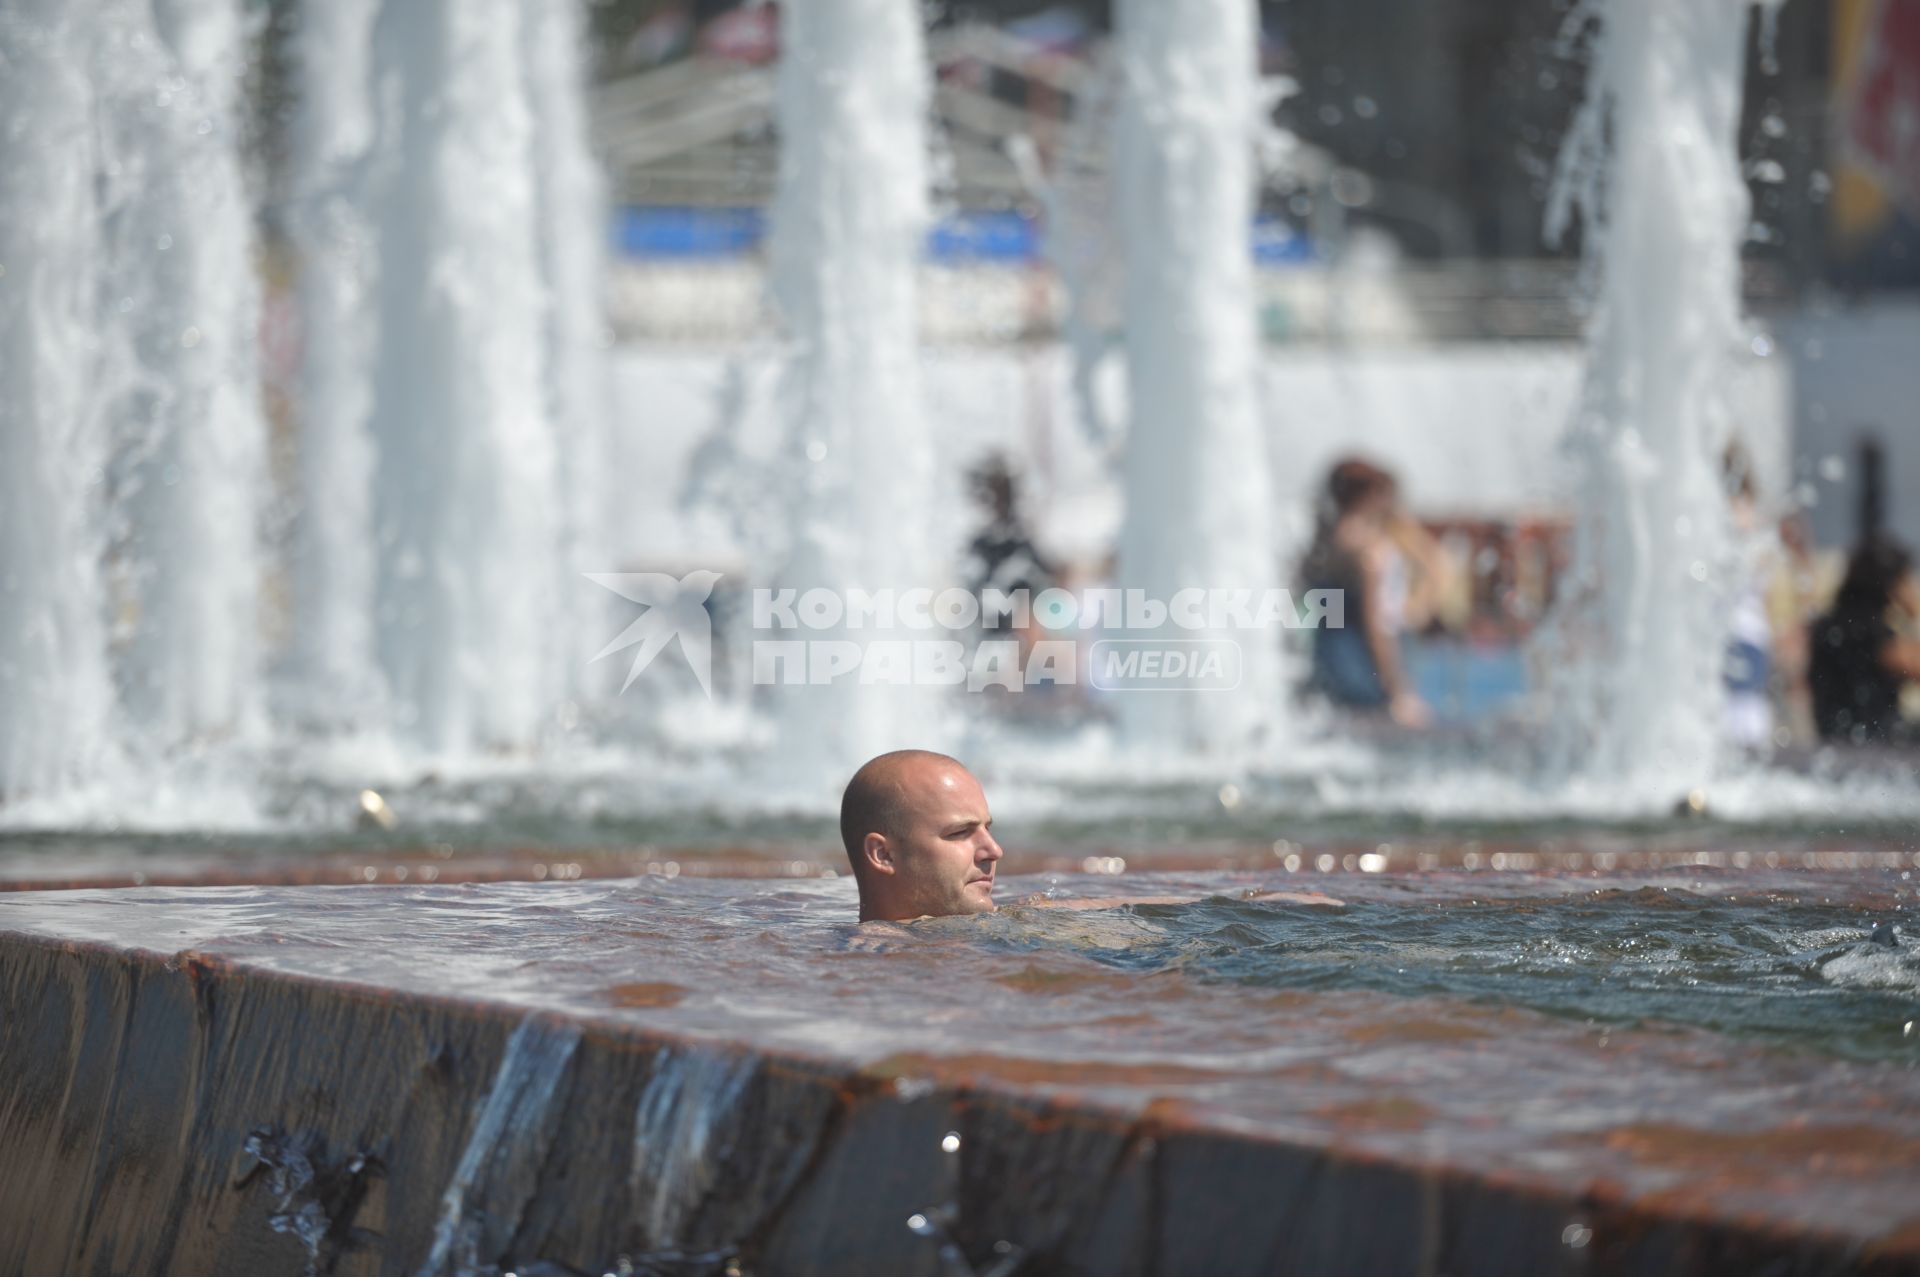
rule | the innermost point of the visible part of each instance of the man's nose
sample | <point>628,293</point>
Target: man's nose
<point>989,849</point>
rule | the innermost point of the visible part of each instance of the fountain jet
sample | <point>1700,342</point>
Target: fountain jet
<point>464,492</point>
<point>1653,167</point>
<point>55,698</point>
<point>1198,497</point>
<point>849,222</point>
<point>182,368</point>
<point>333,653</point>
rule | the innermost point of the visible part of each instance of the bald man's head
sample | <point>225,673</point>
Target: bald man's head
<point>919,837</point>
<point>877,800</point>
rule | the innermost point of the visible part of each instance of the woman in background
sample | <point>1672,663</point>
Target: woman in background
<point>1357,548</point>
<point>1860,660</point>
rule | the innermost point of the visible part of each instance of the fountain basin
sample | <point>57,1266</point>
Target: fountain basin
<point>686,1075</point>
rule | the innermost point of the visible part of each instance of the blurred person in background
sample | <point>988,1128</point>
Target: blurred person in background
<point>1391,572</point>
<point>1747,667</point>
<point>1002,556</point>
<point>1800,588</point>
<point>1862,653</point>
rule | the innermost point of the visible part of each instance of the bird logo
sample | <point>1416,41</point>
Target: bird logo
<point>674,609</point>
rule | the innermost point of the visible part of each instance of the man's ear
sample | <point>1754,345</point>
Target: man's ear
<point>878,853</point>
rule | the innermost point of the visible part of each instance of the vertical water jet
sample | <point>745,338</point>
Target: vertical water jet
<point>181,288</point>
<point>55,698</point>
<point>1198,500</point>
<point>850,219</point>
<point>333,655</point>
<point>1653,168</point>
<point>465,582</point>
<point>569,218</point>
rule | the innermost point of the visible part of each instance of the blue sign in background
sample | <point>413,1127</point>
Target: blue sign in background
<point>687,232</point>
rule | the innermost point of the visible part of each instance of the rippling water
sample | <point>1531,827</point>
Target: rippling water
<point>1782,969</point>
<point>1789,959</point>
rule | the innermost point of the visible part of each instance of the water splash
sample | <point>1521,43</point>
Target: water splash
<point>496,1175</point>
<point>464,493</point>
<point>334,674</point>
<point>1652,168</point>
<point>849,220</point>
<point>940,1224</point>
<point>315,1197</point>
<point>684,1125</point>
<point>190,440</point>
<point>569,214</point>
<point>1197,496</point>
<point>55,698</point>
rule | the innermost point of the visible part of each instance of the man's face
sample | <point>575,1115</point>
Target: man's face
<point>946,854</point>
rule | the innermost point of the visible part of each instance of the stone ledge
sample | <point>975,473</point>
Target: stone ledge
<point>186,1114</point>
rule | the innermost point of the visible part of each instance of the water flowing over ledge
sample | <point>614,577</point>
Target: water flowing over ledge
<point>637,1077</point>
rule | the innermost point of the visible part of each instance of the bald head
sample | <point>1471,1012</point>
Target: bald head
<point>879,798</point>
<point>918,835</point>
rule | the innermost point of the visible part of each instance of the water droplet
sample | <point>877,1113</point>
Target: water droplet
<point>189,337</point>
<point>950,1142</point>
<point>816,450</point>
<point>163,243</point>
<point>1229,796</point>
<point>1762,345</point>
<point>1365,107</point>
<point>1576,1236</point>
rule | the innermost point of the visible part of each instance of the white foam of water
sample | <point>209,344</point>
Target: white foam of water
<point>1874,966</point>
